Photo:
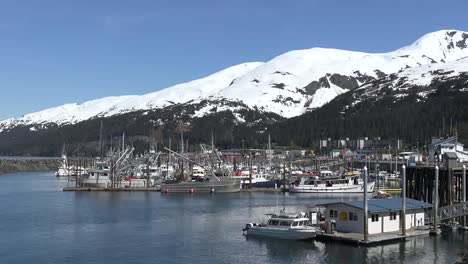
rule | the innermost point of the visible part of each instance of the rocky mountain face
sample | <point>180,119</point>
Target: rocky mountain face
<point>414,105</point>
<point>229,122</point>
<point>315,87</point>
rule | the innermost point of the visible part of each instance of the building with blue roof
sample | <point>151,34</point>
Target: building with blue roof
<point>383,215</point>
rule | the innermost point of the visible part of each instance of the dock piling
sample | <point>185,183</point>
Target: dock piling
<point>435,230</point>
<point>464,193</point>
<point>366,217</point>
<point>403,201</point>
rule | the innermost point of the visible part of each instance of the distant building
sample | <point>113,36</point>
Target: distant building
<point>410,156</point>
<point>231,154</point>
<point>296,153</point>
<point>383,215</point>
<point>439,147</point>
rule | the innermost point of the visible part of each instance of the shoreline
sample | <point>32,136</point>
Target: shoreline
<point>25,164</point>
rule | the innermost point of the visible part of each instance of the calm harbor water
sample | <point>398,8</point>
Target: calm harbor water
<point>41,224</point>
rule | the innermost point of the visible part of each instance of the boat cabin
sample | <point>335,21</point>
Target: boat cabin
<point>288,221</point>
<point>328,182</point>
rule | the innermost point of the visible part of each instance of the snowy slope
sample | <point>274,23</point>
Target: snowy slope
<point>403,82</point>
<point>296,69</point>
<point>108,106</point>
<point>288,85</point>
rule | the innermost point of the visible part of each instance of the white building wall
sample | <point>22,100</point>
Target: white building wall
<point>409,221</point>
<point>391,225</point>
<point>414,218</point>
<point>374,227</point>
<point>346,226</point>
<point>420,216</point>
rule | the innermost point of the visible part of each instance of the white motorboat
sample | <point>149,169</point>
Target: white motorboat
<point>346,185</point>
<point>283,226</point>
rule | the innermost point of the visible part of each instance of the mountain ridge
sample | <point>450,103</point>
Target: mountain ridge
<point>290,84</point>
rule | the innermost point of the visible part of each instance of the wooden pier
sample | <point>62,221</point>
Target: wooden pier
<point>420,184</point>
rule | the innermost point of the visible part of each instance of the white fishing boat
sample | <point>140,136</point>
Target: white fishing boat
<point>346,185</point>
<point>97,176</point>
<point>283,226</point>
<point>256,178</point>
<point>144,171</point>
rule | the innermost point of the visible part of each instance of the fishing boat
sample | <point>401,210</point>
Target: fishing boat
<point>97,176</point>
<point>283,226</point>
<point>198,172</point>
<point>256,179</point>
<point>67,170</point>
<point>325,172</point>
<point>208,184</point>
<point>346,185</point>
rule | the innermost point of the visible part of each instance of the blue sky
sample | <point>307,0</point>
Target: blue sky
<point>60,51</point>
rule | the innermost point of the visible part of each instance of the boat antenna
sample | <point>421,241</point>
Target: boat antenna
<point>123,141</point>
<point>100,141</point>
<point>212,141</point>
<point>111,144</point>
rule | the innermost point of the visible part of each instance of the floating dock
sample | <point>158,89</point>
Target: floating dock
<point>263,190</point>
<point>373,240</point>
<point>98,189</point>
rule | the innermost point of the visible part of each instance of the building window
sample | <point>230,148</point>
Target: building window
<point>353,216</point>
<point>375,218</point>
<point>393,216</point>
<point>333,213</point>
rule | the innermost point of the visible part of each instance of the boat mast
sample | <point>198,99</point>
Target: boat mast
<point>269,154</point>
<point>182,141</point>
<point>100,142</point>
<point>169,160</point>
<point>123,141</point>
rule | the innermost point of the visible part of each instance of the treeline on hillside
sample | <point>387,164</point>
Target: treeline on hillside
<point>141,129</point>
<point>410,118</point>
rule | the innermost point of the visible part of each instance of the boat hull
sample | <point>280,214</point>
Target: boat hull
<point>290,234</point>
<point>223,186</point>
<point>334,189</point>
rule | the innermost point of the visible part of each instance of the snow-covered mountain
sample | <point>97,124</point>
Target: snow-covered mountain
<point>415,80</point>
<point>288,85</point>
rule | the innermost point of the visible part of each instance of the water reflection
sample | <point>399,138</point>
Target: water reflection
<point>44,224</point>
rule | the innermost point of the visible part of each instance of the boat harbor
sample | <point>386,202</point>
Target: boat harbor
<point>399,191</point>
